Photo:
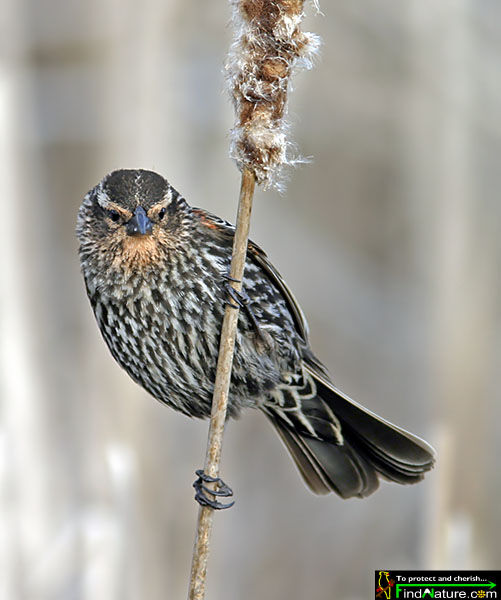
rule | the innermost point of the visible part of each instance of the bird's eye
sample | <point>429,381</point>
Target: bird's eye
<point>161,213</point>
<point>114,216</point>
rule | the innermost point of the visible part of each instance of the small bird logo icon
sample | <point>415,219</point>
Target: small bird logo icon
<point>384,585</point>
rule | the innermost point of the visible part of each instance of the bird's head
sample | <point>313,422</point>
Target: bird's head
<point>130,222</point>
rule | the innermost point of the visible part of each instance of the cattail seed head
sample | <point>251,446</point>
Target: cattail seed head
<point>268,45</point>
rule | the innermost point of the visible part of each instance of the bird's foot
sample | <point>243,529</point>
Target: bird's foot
<point>231,291</point>
<point>222,490</point>
<point>240,300</point>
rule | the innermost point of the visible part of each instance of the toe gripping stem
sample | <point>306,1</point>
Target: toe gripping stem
<point>222,490</point>
<point>240,300</point>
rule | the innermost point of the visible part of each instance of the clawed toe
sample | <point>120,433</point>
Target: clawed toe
<point>201,491</point>
<point>228,277</point>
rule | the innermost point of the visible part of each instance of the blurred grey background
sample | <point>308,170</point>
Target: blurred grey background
<point>389,239</point>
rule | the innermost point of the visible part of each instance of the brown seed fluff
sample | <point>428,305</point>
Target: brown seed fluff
<point>268,44</point>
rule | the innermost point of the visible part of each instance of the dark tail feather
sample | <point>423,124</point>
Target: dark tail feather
<point>325,466</point>
<point>371,446</point>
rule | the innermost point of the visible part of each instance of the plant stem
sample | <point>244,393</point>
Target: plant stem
<point>221,387</point>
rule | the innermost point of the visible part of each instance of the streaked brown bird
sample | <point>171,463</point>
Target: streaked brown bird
<point>156,272</point>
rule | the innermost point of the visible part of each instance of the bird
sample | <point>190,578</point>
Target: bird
<point>384,585</point>
<point>156,272</point>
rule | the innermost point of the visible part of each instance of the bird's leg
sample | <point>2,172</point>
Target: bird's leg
<point>201,491</point>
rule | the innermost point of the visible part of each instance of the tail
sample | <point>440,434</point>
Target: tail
<point>340,446</point>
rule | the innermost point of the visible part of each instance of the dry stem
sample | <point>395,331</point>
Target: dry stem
<point>268,45</point>
<point>221,388</point>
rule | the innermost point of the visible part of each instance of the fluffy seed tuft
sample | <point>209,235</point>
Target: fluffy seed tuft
<point>268,45</point>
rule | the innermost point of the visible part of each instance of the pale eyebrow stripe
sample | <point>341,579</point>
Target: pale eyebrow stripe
<point>159,205</point>
<point>112,206</point>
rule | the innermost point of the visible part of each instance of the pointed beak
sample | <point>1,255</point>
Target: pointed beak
<point>139,224</point>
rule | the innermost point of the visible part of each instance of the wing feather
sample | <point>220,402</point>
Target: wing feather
<point>260,258</point>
